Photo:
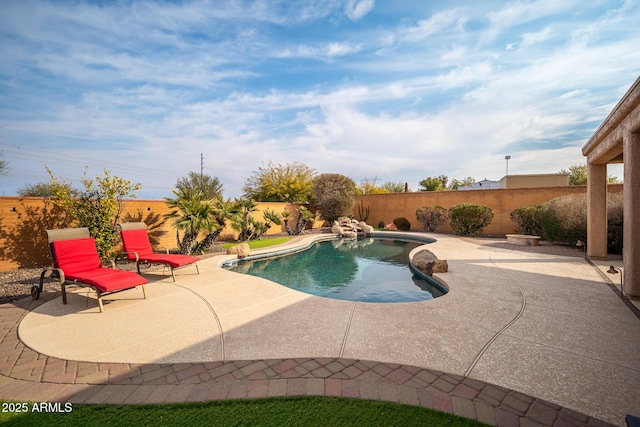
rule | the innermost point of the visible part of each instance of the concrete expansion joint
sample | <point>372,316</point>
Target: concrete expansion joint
<point>27,375</point>
<point>347,329</point>
<point>504,328</point>
<point>213,312</point>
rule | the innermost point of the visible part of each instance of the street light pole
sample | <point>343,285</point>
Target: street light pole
<point>507,159</point>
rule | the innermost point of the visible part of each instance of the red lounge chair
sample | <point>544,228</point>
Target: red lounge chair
<point>76,262</point>
<point>137,247</point>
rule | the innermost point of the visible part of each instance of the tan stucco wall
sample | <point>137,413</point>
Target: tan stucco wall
<point>535,180</point>
<point>386,207</point>
<point>26,241</point>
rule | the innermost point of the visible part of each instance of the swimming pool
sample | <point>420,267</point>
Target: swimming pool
<point>367,270</point>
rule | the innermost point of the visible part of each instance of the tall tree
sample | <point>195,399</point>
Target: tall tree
<point>333,195</point>
<point>457,183</point>
<point>577,174</point>
<point>210,187</point>
<point>434,183</point>
<point>290,183</point>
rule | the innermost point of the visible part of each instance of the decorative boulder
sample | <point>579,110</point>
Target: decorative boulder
<point>367,230</point>
<point>391,226</point>
<point>440,266</point>
<point>242,250</point>
<point>337,229</point>
<point>422,258</point>
<point>427,262</point>
<point>350,234</point>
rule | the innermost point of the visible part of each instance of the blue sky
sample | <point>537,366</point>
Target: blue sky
<point>396,90</point>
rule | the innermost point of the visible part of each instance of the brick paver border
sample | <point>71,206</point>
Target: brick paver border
<point>28,375</point>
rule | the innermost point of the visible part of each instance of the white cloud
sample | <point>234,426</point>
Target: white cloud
<point>153,85</point>
<point>358,9</point>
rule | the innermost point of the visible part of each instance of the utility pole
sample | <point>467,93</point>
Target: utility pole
<point>201,165</point>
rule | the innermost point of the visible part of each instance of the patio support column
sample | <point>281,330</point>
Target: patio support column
<point>597,211</point>
<point>631,242</point>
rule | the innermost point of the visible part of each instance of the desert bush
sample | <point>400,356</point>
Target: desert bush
<point>527,219</point>
<point>564,219</point>
<point>402,223</point>
<point>468,219</point>
<point>614,223</point>
<point>333,196</point>
<point>431,217</point>
<point>381,224</point>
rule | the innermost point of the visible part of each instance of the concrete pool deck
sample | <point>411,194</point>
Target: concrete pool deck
<point>529,335</point>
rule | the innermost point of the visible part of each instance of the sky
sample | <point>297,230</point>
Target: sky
<point>378,90</point>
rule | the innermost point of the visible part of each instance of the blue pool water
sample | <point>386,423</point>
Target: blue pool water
<point>368,270</point>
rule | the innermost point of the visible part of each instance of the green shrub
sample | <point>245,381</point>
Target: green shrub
<point>564,219</point>
<point>381,224</point>
<point>468,219</point>
<point>527,219</point>
<point>431,217</point>
<point>403,224</point>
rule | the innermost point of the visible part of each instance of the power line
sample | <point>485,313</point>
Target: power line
<point>47,156</point>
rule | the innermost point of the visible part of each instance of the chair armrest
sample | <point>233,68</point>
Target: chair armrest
<point>124,256</point>
<point>52,270</point>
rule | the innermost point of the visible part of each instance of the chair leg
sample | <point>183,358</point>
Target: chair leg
<point>64,293</point>
<point>144,293</point>
<point>99,300</point>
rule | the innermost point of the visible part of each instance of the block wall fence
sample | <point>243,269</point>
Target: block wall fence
<point>23,220</point>
<point>386,207</point>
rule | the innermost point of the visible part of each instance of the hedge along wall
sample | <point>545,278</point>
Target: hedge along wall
<point>386,207</point>
<point>23,221</point>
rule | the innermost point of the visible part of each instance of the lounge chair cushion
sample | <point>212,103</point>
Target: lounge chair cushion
<point>77,255</point>
<point>138,241</point>
<point>173,260</point>
<point>79,260</point>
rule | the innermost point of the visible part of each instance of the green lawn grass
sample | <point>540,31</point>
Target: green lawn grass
<point>257,244</point>
<point>290,411</point>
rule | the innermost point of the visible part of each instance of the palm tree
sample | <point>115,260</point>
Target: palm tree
<point>242,221</point>
<point>192,214</point>
<point>221,211</point>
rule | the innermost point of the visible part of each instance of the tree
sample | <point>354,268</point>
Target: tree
<point>248,227</point>
<point>333,195</point>
<point>209,186</point>
<point>222,210</point>
<point>4,167</point>
<point>465,182</point>
<point>290,183</point>
<point>304,216</point>
<point>434,183</point>
<point>97,206</point>
<point>394,187</point>
<point>577,174</point>
<point>41,189</point>
<point>369,188</point>
<point>192,214</point>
